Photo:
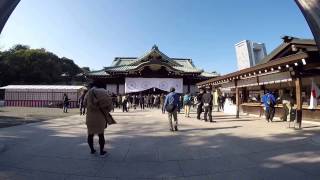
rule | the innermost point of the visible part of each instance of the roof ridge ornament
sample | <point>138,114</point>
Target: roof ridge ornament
<point>155,47</point>
<point>288,39</point>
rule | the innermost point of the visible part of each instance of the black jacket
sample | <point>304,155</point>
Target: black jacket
<point>207,98</point>
<point>199,99</point>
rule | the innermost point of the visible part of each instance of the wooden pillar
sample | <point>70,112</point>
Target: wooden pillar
<point>237,100</point>
<point>298,86</point>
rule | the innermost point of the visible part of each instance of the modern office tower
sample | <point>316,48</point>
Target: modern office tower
<point>249,53</point>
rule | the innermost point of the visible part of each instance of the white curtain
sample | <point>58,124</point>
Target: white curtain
<point>141,84</point>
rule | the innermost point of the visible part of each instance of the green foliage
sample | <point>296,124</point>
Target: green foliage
<point>22,65</point>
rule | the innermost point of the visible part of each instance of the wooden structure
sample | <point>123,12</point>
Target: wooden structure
<point>153,64</point>
<point>290,66</point>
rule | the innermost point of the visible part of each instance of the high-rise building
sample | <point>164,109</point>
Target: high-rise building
<point>249,53</point>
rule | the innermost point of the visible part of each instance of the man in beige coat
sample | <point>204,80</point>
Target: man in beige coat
<point>98,103</point>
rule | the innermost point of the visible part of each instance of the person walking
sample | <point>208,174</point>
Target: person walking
<point>157,101</point>
<point>162,99</point>
<point>130,100</point>
<point>119,99</point>
<point>125,104</point>
<point>136,101</point>
<point>199,103</point>
<point>221,100</point>
<point>207,100</point>
<point>187,104</point>
<point>180,103</point>
<point>98,104</point>
<point>134,98</point>
<point>151,101</point>
<point>287,102</point>
<point>269,102</point>
<point>65,103</point>
<point>114,101</point>
<point>81,105</point>
<point>147,100</point>
<point>141,101</point>
<point>171,105</point>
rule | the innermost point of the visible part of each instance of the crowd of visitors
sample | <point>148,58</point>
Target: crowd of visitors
<point>134,101</point>
<point>203,102</point>
<point>96,98</point>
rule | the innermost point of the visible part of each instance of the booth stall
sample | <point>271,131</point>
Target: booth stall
<point>293,67</point>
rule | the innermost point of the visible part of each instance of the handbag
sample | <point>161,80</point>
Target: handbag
<point>107,116</point>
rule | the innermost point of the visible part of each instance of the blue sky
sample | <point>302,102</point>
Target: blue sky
<point>92,33</point>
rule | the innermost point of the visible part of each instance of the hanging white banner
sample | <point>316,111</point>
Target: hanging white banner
<point>141,84</point>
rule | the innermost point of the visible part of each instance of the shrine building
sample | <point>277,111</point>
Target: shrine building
<point>153,72</point>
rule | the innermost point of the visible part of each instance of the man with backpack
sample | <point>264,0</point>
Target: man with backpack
<point>269,102</point>
<point>171,105</point>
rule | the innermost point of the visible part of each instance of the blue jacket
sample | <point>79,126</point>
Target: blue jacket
<point>266,97</point>
<point>172,98</point>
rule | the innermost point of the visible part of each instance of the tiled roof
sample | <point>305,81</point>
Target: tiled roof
<point>207,74</point>
<point>120,68</point>
<point>288,41</point>
<point>122,61</point>
<point>187,69</point>
<point>122,64</point>
<point>97,73</point>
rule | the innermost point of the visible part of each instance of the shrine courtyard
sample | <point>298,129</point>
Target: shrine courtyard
<point>142,147</point>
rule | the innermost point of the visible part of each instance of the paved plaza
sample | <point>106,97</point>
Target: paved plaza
<point>142,147</point>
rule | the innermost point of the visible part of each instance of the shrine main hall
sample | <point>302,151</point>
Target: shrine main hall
<point>153,72</point>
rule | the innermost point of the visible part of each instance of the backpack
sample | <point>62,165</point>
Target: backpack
<point>270,101</point>
<point>170,107</point>
<point>186,99</point>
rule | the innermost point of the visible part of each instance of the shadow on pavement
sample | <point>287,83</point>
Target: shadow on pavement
<point>147,151</point>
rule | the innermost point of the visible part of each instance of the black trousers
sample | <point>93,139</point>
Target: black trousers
<point>142,105</point>
<point>208,112</point>
<point>124,107</point>
<point>269,113</point>
<point>101,141</point>
<point>199,111</point>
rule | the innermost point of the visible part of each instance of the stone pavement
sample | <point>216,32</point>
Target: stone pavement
<point>142,147</point>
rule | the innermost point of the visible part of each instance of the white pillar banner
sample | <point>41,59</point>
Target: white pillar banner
<point>141,84</point>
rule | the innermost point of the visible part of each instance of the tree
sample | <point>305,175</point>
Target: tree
<point>22,65</point>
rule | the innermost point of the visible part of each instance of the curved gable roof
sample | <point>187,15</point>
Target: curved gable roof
<point>286,47</point>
